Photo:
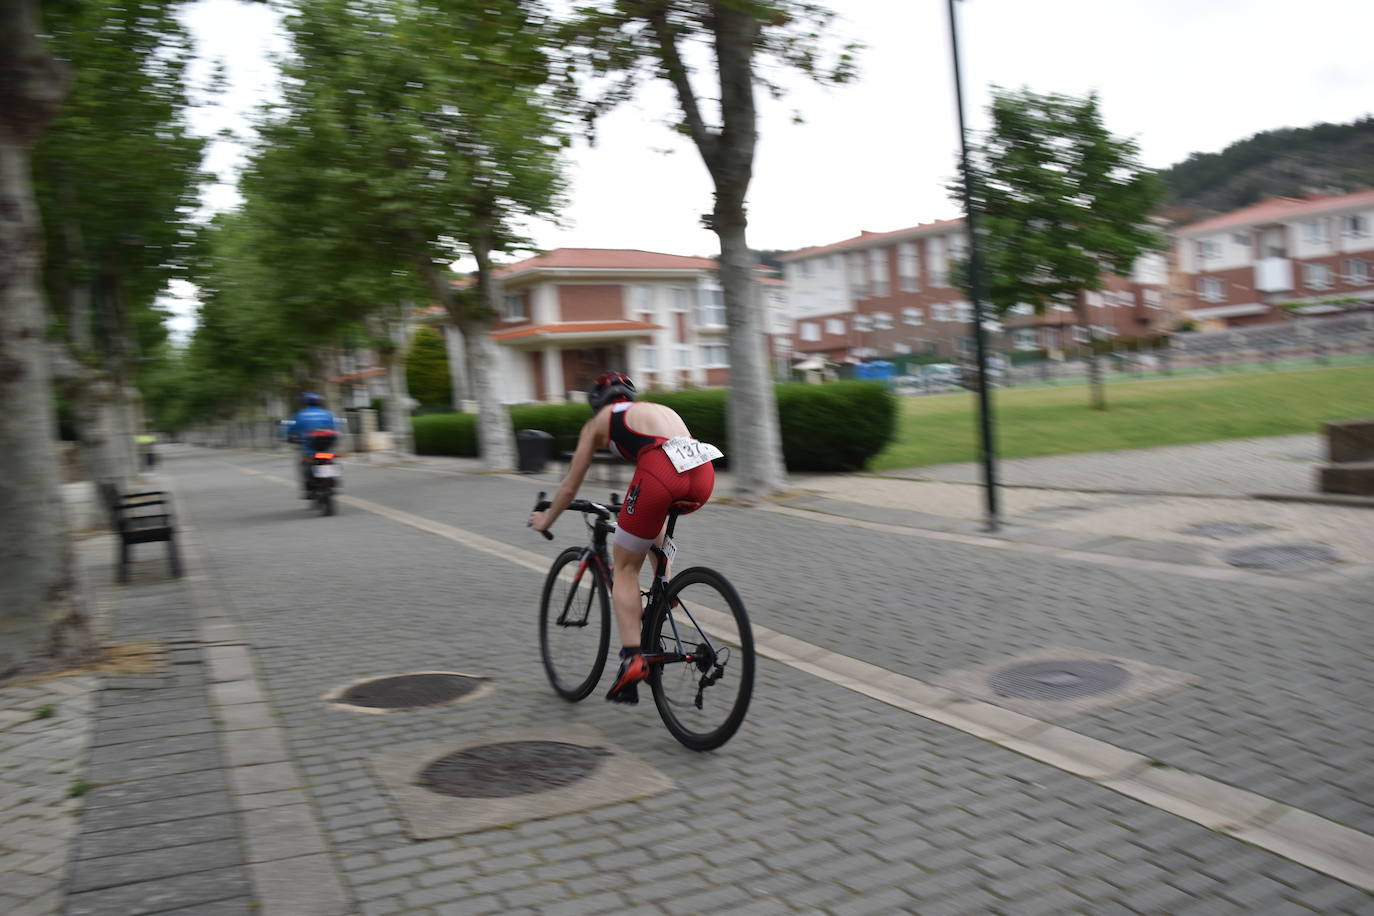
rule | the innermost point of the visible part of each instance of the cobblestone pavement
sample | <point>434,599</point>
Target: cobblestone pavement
<point>826,801</point>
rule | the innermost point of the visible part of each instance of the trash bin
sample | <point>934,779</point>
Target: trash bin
<point>533,448</point>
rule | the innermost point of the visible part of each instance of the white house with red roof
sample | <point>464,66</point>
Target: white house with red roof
<point>892,294</point>
<point>1242,267</point>
<point>572,313</point>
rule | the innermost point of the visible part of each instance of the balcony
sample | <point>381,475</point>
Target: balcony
<point>1273,275</point>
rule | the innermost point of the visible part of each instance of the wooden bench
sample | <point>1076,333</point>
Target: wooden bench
<point>140,518</point>
<point>603,457</point>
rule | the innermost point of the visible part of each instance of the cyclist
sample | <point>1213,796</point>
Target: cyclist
<point>636,431</point>
<point>310,418</point>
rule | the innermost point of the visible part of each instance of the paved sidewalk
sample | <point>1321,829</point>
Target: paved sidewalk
<point>224,784</point>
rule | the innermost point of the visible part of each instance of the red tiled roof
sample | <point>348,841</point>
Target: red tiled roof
<point>360,374</point>
<point>575,327</point>
<point>866,238</point>
<point>606,259</point>
<point>1280,208</point>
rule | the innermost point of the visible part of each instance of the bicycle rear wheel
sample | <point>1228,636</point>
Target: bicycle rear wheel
<point>574,624</point>
<point>702,659</point>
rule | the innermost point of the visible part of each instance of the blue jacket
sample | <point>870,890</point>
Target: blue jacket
<point>306,420</point>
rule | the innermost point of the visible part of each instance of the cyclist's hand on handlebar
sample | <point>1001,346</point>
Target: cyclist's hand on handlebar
<point>539,519</point>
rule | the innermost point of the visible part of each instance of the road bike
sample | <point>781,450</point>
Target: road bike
<point>696,636</point>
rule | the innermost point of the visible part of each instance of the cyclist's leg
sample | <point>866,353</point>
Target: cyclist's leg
<point>640,522</point>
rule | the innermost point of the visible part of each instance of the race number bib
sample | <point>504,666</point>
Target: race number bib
<point>687,453</point>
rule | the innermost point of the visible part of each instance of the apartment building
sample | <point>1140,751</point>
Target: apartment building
<point>892,294</point>
<point>1243,267</point>
<point>570,314</point>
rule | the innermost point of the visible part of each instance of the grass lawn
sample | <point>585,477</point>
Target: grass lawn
<point>1140,414</point>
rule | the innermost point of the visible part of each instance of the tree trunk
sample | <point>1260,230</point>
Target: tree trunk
<point>1097,392</point>
<point>756,460</point>
<point>469,311</point>
<point>457,365</point>
<point>398,395</point>
<point>40,613</point>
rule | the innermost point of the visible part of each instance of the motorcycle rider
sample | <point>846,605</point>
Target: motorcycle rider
<point>310,418</point>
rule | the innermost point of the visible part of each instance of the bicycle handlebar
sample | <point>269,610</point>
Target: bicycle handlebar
<point>605,513</point>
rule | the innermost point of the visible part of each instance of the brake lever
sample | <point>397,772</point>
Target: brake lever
<point>540,504</point>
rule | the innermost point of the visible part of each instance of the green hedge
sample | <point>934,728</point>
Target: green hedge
<point>837,426</point>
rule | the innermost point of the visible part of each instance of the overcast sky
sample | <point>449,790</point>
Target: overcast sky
<point>1179,76</point>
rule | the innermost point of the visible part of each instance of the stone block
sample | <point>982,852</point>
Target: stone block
<point>1352,477</point>
<point>1350,440</point>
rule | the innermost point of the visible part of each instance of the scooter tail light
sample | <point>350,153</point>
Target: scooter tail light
<point>323,455</point>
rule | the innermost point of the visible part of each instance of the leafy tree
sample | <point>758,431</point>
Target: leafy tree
<point>1060,202</point>
<point>40,613</point>
<point>627,41</point>
<point>412,133</point>
<point>427,371</point>
<point>117,177</point>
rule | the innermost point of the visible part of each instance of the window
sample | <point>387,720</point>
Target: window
<point>1316,276</point>
<point>1315,232</point>
<point>1207,249</point>
<point>715,356</point>
<point>941,312</point>
<point>1356,270</point>
<point>514,307</point>
<point>639,301</point>
<point>1241,238</point>
<point>810,331</point>
<point>782,344</point>
<point>648,359</point>
<point>963,312</point>
<point>964,346</point>
<point>1061,307</point>
<point>712,307</point>
<point>830,263</point>
<point>1081,334</point>
<point>834,325</point>
<point>901,349</point>
<point>912,316</point>
<point>1023,308</point>
<point>1211,289</point>
<point>882,321</point>
<point>1023,339</point>
<point>682,299</point>
<point>857,287</point>
<point>863,323</point>
<point>935,249</point>
<point>682,357</point>
<point>877,266</point>
<point>1153,300</point>
<point>1355,226</point>
<point>908,268</point>
<point>1093,298</point>
<point>806,269</point>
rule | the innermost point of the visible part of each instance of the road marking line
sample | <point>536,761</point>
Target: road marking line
<point>1308,839</point>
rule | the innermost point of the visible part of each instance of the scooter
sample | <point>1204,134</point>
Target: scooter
<point>323,476</point>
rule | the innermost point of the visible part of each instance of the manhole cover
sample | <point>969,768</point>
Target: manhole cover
<point>1282,556</point>
<point>1224,529</point>
<point>404,691</point>
<point>1065,679</point>
<point>513,768</point>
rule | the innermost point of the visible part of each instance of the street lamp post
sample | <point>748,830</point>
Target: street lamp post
<point>986,445</point>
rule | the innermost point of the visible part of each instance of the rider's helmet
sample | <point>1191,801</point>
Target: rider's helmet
<point>610,387</point>
<point>311,399</point>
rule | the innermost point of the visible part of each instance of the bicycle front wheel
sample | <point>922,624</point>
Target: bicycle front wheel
<point>574,624</point>
<point>702,659</point>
